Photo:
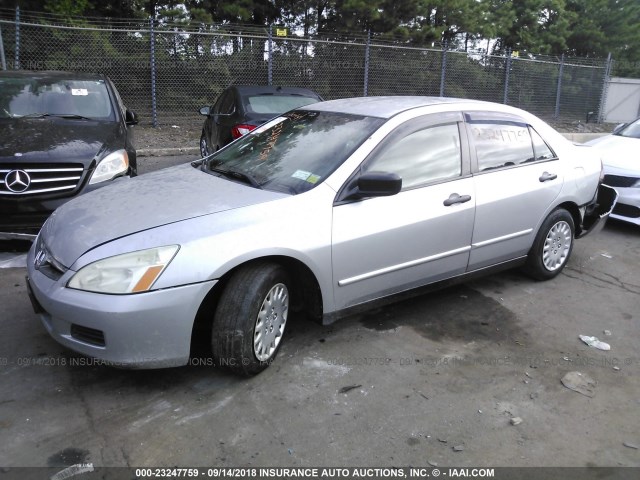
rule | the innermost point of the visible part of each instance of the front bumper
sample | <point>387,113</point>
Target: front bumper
<point>628,206</point>
<point>146,330</point>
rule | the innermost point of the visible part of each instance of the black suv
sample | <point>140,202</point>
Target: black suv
<point>62,134</point>
<point>241,108</point>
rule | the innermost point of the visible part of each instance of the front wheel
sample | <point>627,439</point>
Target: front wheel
<point>552,247</point>
<point>250,319</point>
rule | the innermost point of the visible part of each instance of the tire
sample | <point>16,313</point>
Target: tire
<point>204,150</point>
<point>250,318</point>
<point>552,247</point>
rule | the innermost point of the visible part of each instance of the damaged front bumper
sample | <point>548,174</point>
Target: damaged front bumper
<point>596,213</point>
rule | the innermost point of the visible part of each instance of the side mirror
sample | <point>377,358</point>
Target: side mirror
<point>378,184</point>
<point>206,111</point>
<point>130,117</point>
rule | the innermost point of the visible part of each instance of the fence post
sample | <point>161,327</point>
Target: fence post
<point>270,56</point>
<point>605,88</point>
<point>366,64</point>
<point>559,88</point>
<point>154,112</point>
<point>4,62</point>
<point>507,73</point>
<point>444,69</point>
<point>17,57</point>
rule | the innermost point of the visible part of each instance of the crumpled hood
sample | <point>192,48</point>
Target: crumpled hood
<point>45,139</point>
<point>132,205</point>
<point>618,152</point>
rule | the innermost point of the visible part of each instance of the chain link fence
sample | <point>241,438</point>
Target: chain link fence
<point>166,73</point>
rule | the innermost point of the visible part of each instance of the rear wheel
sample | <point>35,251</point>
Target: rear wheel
<point>250,318</point>
<point>552,247</point>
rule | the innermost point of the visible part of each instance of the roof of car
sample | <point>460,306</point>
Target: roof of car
<point>273,89</point>
<point>51,74</point>
<point>385,107</point>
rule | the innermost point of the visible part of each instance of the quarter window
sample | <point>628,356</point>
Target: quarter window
<point>425,156</point>
<point>541,149</point>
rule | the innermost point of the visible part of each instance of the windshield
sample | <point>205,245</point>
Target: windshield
<point>294,152</point>
<point>632,130</point>
<point>35,97</point>
<point>275,104</point>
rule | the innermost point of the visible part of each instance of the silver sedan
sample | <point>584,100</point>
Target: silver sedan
<point>322,211</point>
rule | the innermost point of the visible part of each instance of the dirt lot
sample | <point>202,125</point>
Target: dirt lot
<point>434,380</point>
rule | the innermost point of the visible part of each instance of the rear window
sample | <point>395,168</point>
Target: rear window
<point>20,97</point>
<point>275,104</point>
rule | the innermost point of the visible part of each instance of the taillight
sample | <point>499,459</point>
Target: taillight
<point>240,130</point>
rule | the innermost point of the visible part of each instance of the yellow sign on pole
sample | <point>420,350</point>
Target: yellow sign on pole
<point>281,32</point>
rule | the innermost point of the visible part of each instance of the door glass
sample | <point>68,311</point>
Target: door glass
<point>501,144</point>
<point>428,155</point>
<point>227,103</point>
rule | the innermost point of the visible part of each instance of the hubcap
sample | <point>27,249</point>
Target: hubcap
<point>203,147</point>
<point>270,323</point>
<point>556,246</point>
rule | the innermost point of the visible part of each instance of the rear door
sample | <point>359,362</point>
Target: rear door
<point>386,245</point>
<point>517,178</point>
<point>223,119</point>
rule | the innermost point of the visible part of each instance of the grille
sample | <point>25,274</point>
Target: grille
<point>620,181</point>
<point>626,210</point>
<point>30,179</point>
<point>88,335</point>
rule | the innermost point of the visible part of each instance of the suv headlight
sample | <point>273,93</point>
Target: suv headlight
<point>133,272</point>
<point>114,164</point>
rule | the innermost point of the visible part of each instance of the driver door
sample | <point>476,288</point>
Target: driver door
<point>386,245</point>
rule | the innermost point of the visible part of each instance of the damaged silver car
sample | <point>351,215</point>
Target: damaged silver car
<point>322,211</point>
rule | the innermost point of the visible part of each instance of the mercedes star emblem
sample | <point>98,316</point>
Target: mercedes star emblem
<point>17,181</point>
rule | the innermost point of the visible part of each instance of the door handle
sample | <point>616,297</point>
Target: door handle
<point>546,176</point>
<point>455,198</point>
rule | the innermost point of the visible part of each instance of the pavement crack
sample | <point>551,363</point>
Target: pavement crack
<point>617,283</point>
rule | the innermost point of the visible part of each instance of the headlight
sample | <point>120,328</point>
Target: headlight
<point>110,166</point>
<point>129,273</point>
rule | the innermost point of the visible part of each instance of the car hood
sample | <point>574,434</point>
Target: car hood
<point>618,152</point>
<point>55,139</point>
<point>133,205</point>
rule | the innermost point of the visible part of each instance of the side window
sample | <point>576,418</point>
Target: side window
<point>423,156</point>
<point>217,108</point>
<point>501,144</point>
<point>227,103</point>
<point>540,147</point>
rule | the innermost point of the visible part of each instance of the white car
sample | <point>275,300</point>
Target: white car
<point>621,160</point>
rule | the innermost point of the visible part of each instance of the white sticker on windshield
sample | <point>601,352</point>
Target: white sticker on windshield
<point>301,174</point>
<point>79,91</point>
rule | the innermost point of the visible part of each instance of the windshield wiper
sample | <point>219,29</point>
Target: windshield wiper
<point>70,115</point>
<point>234,174</point>
<point>61,115</point>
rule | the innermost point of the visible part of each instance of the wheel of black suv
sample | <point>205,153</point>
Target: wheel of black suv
<point>251,317</point>
<point>204,150</point>
<point>552,247</point>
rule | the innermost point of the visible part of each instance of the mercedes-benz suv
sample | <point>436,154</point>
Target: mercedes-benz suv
<point>63,134</point>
